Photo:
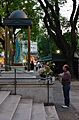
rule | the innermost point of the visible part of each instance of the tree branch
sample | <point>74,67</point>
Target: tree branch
<point>57,36</point>
<point>49,28</point>
<point>55,13</point>
<point>73,11</point>
<point>76,16</point>
<point>54,16</point>
<point>47,15</point>
<point>49,23</point>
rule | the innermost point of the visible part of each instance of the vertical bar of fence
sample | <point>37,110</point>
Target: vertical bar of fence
<point>48,91</point>
<point>15,81</point>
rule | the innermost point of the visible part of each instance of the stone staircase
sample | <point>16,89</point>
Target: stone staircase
<point>13,107</point>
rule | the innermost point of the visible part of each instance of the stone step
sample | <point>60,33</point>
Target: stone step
<point>24,110</point>
<point>3,95</point>
<point>38,112</point>
<point>8,107</point>
<point>51,113</point>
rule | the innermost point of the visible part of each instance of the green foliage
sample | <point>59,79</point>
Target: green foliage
<point>29,7</point>
<point>67,36</point>
<point>43,46</point>
<point>78,43</point>
<point>46,45</point>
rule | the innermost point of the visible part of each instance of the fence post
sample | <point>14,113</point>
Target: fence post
<point>47,91</point>
<point>15,81</point>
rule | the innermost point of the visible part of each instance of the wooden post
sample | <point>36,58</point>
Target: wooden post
<point>7,49</point>
<point>28,48</point>
<point>6,36</point>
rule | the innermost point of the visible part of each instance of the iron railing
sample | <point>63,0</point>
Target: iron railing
<point>15,81</point>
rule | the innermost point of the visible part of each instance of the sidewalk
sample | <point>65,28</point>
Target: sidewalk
<point>75,94</point>
<point>73,112</point>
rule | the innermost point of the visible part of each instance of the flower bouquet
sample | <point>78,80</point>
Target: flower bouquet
<point>45,71</point>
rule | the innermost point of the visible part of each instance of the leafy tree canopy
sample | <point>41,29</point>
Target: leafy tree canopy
<point>28,6</point>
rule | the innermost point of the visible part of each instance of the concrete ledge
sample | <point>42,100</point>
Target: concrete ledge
<point>3,95</point>
<point>51,113</point>
<point>38,112</point>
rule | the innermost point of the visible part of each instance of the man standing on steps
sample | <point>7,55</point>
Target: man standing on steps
<point>66,80</point>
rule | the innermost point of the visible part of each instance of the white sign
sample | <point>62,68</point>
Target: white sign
<point>33,47</point>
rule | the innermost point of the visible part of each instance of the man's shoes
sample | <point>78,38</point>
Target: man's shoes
<point>64,106</point>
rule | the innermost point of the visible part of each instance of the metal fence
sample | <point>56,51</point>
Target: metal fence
<point>14,80</point>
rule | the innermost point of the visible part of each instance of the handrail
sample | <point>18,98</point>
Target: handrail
<point>15,81</point>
